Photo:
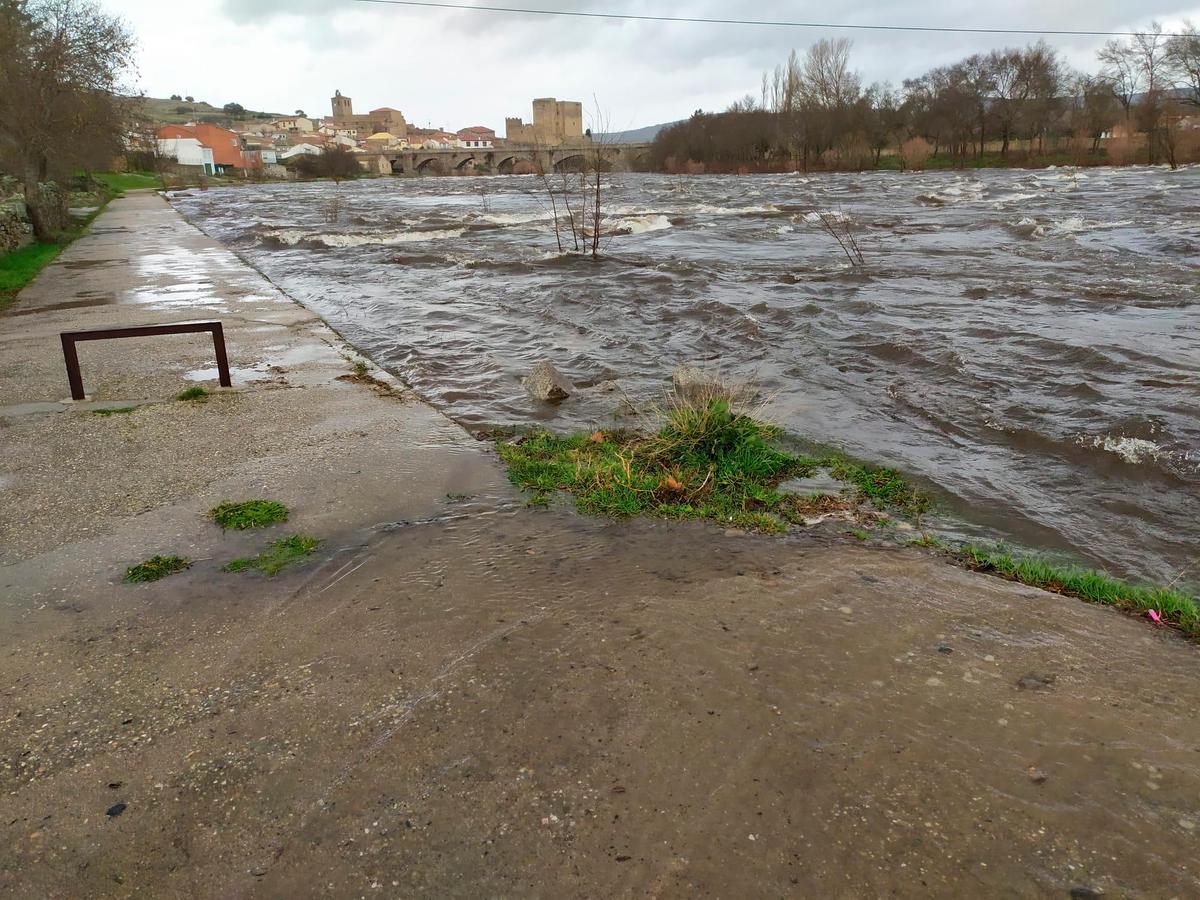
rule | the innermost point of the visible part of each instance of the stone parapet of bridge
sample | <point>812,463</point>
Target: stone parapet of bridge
<point>508,159</point>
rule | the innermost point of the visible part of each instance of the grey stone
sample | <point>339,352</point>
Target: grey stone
<point>820,483</point>
<point>691,383</point>
<point>544,382</point>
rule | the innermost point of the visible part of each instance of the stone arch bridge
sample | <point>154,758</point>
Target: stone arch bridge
<point>510,160</point>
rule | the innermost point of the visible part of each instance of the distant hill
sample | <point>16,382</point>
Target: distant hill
<point>177,112</point>
<point>635,135</point>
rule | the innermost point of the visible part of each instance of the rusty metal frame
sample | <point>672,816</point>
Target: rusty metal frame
<point>70,338</point>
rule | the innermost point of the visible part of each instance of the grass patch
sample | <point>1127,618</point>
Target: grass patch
<point>707,461</point>
<point>19,267</point>
<point>928,541</point>
<point>881,487</point>
<point>156,567</point>
<point>192,393</point>
<point>113,411</point>
<point>278,555</point>
<point>117,182</point>
<point>1176,608</point>
<point>859,534</point>
<point>248,514</point>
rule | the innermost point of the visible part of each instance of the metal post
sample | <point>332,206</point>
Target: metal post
<point>69,338</point>
<point>218,334</point>
<point>74,376</point>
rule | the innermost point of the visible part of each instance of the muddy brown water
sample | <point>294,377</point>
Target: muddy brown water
<point>1026,342</point>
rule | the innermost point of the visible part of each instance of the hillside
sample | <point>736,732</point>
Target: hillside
<point>634,135</point>
<point>177,112</point>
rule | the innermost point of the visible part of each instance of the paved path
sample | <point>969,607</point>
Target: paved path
<point>459,697</point>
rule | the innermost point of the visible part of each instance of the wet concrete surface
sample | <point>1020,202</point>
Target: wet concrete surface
<point>459,696</point>
<point>508,703</point>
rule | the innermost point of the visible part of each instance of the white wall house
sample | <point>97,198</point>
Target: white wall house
<point>187,152</point>
<point>301,150</point>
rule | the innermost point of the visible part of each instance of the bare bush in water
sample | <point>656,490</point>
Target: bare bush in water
<point>838,227</point>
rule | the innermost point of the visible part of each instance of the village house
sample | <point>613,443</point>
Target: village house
<point>382,140</point>
<point>303,149</point>
<point>440,140</point>
<point>188,153</point>
<point>293,123</point>
<point>477,137</point>
<point>225,145</point>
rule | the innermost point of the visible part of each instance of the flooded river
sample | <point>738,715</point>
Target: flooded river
<point>1027,343</point>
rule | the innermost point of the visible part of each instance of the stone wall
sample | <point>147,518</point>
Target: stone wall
<point>14,228</point>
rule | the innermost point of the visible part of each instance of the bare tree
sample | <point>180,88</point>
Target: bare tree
<point>1122,73</point>
<point>61,78</point>
<point>1183,59</point>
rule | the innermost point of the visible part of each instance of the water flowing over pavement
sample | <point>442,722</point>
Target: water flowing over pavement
<point>1027,342</point>
<point>457,696</point>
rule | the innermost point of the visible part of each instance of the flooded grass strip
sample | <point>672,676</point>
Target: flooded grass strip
<point>155,568</point>
<point>1173,607</point>
<point>277,556</point>
<point>706,462</point>
<point>248,514</point>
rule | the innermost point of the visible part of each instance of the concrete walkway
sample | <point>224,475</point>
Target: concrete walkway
<point>459,697</point>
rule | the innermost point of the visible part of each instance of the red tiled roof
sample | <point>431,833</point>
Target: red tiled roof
<point>225,146</point>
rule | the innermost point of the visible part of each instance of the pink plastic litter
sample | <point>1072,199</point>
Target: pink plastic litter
<point>1153,614</point>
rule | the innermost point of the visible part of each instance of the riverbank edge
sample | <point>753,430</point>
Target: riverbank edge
<point>1185,621</point>
<point>611,475</point>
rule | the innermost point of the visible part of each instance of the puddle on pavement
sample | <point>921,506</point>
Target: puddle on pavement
<point>72,304</point>
<point>237,374</point>
<point>90,263</point>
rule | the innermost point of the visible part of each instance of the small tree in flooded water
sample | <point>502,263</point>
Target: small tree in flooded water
<point>574,191</point>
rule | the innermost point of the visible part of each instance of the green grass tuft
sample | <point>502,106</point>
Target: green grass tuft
<point>706,462</point>
<point>882,487</point>
<point>248,514</point>
<point>929,541</point>
<point>113,410</point>
<point>860,534</point>
<point>278,555</point>
<point>156,567</point>
<point>1176,607</point>
<point>192,393</point>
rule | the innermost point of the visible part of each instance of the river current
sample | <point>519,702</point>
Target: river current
<point>1025,343</point>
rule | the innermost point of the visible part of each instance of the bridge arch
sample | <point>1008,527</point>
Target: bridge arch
<point>505,166</point>
<point>430,165</point>
<point>461,165</point>
<point>573,163</point>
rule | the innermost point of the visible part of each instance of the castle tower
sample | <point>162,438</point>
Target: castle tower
<point>342,107</point>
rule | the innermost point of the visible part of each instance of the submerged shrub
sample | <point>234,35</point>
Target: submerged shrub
<point>277,556</point>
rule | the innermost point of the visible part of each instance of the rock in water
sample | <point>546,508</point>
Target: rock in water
<point>691,383</point>
<point>544,382</point>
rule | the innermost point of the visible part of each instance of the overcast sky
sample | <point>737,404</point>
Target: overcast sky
<point>455,68</point>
